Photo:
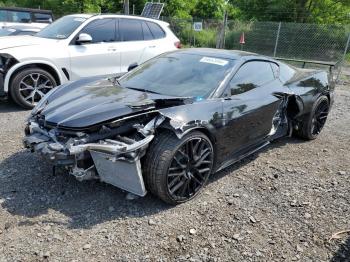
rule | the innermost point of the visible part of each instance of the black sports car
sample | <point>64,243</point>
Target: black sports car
<point>171,122</point>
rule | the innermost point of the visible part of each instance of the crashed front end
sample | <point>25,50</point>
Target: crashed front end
<point>109,152</point>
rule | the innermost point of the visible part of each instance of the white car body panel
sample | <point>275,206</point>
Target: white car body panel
<point>9,24</point>
<point>84,60</point>
<point>9,42</point>
<point>131,52</point>
<point>101,55</point>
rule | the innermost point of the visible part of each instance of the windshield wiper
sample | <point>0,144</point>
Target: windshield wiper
<point>116,80</point>
<point>143,90</point>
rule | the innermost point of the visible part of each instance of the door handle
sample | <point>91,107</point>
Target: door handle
<point>152,46</point>
<point>111,49</point>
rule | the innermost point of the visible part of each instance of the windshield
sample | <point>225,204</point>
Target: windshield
<point>61,28</point>
<point>6,31</point>
<point>179,74</point>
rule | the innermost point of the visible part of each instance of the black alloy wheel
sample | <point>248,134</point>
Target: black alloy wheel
<point>312,124</point>
<point>176,169</point>
<point>190,168</point>
<point>320,117</point>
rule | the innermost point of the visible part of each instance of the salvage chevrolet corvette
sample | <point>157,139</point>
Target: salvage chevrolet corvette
<point>171,122</point>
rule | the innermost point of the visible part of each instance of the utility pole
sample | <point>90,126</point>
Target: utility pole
<point>277,38</point>
<point>126,7</point>
<point>220,42</point>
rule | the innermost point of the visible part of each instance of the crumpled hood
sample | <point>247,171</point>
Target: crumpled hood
<point>91,101</point>
<point>25,40</point>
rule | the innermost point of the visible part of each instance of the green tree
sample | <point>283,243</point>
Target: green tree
<point>179,8</point>
<point>302,11</point>
<point>212,9</point>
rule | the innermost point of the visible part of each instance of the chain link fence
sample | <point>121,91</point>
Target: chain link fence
<point>327,43</point>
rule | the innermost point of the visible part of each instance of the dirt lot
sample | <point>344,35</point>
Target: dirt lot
<point>282,204</point>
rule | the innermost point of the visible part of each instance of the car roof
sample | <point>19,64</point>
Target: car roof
<point>219,53</point>
<point>122,16</point>
<point>82,15</point>
<point>226,54</point>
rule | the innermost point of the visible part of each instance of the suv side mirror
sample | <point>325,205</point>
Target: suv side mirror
<point>132,66</point>
<point>84,38</point>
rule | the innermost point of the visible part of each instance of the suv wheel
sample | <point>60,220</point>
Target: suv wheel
<point>30,85</point>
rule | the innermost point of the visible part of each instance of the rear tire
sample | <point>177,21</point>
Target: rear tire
<point>312,124</point>
<point>29,85</point>
<point>176,170</point>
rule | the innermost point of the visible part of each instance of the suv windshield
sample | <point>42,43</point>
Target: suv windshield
<point>62,28</point>
<point>179,74</point>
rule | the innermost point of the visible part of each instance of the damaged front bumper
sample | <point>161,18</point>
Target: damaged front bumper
<point>115,160</point>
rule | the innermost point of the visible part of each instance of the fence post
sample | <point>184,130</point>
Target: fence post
<point>343,58</point>
<point>224,33</point>
<point>277,38</point>
<point>346,48</point>
<point>193,34</point>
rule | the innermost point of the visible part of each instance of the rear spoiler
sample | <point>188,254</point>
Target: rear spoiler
<point>331,65</point>
<point>304,62</point>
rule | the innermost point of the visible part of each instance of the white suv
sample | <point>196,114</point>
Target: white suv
<point>78,46</point>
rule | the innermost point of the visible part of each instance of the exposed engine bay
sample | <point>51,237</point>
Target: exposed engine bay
<point>114,159</point>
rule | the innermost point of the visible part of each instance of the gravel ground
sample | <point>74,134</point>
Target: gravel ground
<point>282,204</point>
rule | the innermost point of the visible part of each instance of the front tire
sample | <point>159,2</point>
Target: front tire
<point>176,170</point>
<point>312,124</point>
<point>29,85</point>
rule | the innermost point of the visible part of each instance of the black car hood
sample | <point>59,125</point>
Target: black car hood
<point>91,101</point>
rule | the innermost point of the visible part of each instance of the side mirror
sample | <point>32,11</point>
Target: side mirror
<point>132,66</point>
<point>84,38</point>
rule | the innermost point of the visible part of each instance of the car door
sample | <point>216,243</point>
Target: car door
<point>137,42</point>
<point>99,57</point>
<point>249,106</point>
<point>154,40</point>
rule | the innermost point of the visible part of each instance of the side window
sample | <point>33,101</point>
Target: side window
<point>3,16</point>
<point>147,35</point>
<point>101,30</point>
<point>251,75</point>
<point>42,18</point>
<point>156,30</point>
<point>130,30</point>
<point>286,72</point>
<point>20,17</point>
